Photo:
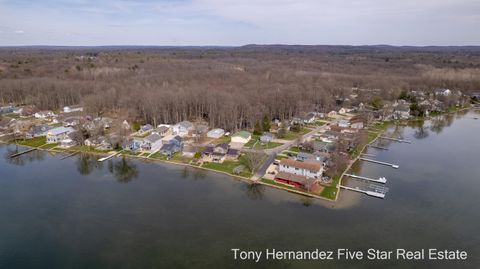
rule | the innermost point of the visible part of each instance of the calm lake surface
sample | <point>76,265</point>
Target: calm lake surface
<point>124,213</point>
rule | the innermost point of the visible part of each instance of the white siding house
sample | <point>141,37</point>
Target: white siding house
<point>182,128</point>
<point>216,133</point>
<point>241,137</point>
<point>307,169</point>
<point>69,109</point>
<point>58,134</point>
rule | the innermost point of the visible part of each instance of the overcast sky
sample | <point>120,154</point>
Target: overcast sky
<point>226,22</point>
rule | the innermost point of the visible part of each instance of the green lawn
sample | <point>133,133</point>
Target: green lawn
<point>330,192</point>
<point>49,146</point>
<point>88,149</point>
<point>290,135</point>
<point>260,145</point>
<point>34,142</point>
<point>159,156</point>
<point>228,166</point>
<point>131,153</point>
<point>179,158</point>
<point>252,141</point>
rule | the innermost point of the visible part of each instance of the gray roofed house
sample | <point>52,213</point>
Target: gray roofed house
<point>216,133</point>
<point>55,135</point>
<point>152,143</point>
<point>161,130</point>
<point>172,146</point>
<point>266,137</point>
<point>146,128</point>
<point>38,130</point>
<point>182,128</point>
<point>309,117</point>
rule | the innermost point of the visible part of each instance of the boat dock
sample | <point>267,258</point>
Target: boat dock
<point>394,139</point>
<point>379,162</point>
<point>23,152</point>
<point>108,157</point>
<point>377,147</point>
<point>370,193</point>
<point>368,155</point>
<point>69,155</point>
<point>379,180</point>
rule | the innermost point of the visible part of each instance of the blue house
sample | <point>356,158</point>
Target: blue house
<point>172,146</point>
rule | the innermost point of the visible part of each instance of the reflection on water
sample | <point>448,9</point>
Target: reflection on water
<point>255,191</point>
<point>168,218</point>
<point>124,170</point>
<point>21,160</point>
<point>87,163</point>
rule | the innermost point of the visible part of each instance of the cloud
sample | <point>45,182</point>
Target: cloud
<point>233,22</point>
<point>19,32</point>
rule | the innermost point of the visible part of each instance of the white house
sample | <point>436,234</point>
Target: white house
<point>216,133</point>
<point>182,128</point>
<point>342,111</point>
<point>241,137</point>
<point>58,134</point>
<point>309,118</point>
<point>343,123</point>
<point>308,169</point>
<point>75,108</point>
<point>152,143</point>
<point>44,114</point>
<point>332,114</point>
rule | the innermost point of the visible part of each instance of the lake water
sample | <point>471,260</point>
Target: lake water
<point>78,213</point>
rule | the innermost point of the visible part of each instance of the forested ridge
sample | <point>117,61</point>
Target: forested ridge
<point>230,87</point>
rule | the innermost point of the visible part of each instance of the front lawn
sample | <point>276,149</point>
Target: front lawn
<point>159,156</point>
<point>49,146</point>
<point>34,142</point>
<point>255,143</point>
<point>290,135</point>
<point>330,192</point>
<point>227,167</point>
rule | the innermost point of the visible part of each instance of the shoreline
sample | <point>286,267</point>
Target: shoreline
<point>245,179</point>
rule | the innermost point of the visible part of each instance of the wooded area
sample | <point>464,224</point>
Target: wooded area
<point>229,87</point>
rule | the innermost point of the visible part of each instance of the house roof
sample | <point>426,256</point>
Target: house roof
<point>243,134</point>
<point>217,131</point>
<point>168,147</point>
<point>185,124</point>
<point>162,129</point>
<point>312,166</point>
<point>292,177</point>
<point>60,130</point>
<point>153,138</point>
<point>223,146</point>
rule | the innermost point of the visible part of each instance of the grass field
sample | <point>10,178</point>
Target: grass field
<point>330,192</point>
<point>34,142</point>
<point>227,167</point>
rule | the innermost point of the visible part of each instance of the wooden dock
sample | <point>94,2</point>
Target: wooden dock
<point>377,147</point>
<point>395,139</point>
<point>70,155</point>
<point>108,157</point>
<point>379,180</point>
<point>370,193</point>
<point>379,162</point>
<point>23,152</point>
<point>368,155</point>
